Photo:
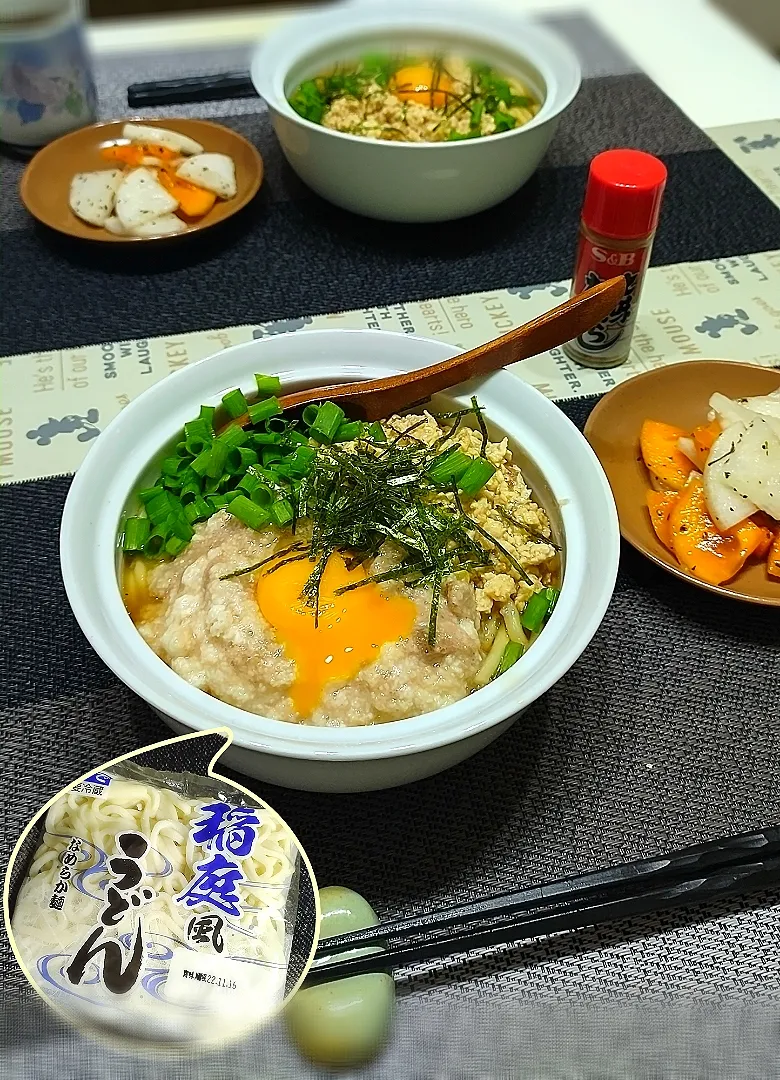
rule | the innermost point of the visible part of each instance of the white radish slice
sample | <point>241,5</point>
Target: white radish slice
<point>728,412</point>
<point>115,226</point>
<point>215,172</point>
<point>754,467</point>
<point>166,225</point>
<point>767,406</point>
<point>726,505</point>
<point>142,198</point>
<point>92,194</point>
<point>688,447</point>
<point>172,140</point>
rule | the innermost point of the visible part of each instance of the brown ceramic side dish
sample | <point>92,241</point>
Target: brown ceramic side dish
<point>46,181</point>
<point>678,394</point>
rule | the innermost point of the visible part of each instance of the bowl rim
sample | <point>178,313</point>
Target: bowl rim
<point>126,653</point>
<point>307,32</point>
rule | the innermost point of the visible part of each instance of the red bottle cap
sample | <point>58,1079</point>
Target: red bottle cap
<point>624,192</point>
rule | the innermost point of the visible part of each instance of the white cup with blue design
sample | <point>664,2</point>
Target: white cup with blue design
<point>46,82</point>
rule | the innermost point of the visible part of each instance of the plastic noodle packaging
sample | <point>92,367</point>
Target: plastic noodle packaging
<point>157,903</point>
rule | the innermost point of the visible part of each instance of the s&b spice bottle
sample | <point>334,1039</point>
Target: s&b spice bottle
<point>617,227</point>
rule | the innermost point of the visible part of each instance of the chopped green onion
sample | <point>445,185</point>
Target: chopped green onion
<point>282,512</point>
<point>268,384</point>
<point>198,510</point>
<point>349,431</point>
<point>179,526</point>
<point>263,438</point>
<point>309,414</point>
<point>229,496</point>
<point>276,425</point>
<point>218,502</point>
<point>235,404</point>
<point>270,454</point>
<point>196,445</point>
<point>174,546</point>
<point>182,451</point>
<point>376,432</point>
<point>329,419</point>
<point>217,458</point>
<point>299,463</point>
<point>248,513</point>
<point>249,482</point>
<point>159,507</point>
<point>200,428</point>
<point>173,466</point>
<point>264,410</point>
<point>257,490</point>
<point>452,465</point>
<point>294,438</point>
<point>190,490</point>
<point>147,494</point>
<point>239,458</point>
<point>513,650</point>
<point>202,461</point>
<point>262,496</point>
<point>136,533</point>
<point>536,611</point>
<point>552,596</point>
<point>207,414</point>
<point>476,476</point>
<point>155,544</point>
<point>233,435</point>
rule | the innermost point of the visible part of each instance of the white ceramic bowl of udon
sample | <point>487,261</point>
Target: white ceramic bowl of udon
<point>562,469</point>
<point>404,181</point>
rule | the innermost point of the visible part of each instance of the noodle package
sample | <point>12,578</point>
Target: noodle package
<point>159,904</point>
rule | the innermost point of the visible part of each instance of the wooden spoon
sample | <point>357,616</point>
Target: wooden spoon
<point>376,399</point>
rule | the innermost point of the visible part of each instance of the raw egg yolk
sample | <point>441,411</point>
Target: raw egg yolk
<point>423,85</point>
<point>350,631</point>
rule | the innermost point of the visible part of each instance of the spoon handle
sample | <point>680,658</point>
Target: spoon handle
<point>377,398</point>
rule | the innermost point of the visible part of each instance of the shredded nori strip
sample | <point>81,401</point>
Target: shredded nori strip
<point>482,426</point>
<point>263,562</point>
<point>540,537</point>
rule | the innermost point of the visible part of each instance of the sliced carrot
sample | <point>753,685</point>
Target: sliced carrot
<point>701,548</point>
<point>705,436</point>
<point>773,558</point>
<point>767,527</point>
<point>660,453</point>
<point>660,504</point>
<point>161,152</point>
<point>125,153</point>
<point>752,538</point>
<point>194,201</point>
<point>134,153</point>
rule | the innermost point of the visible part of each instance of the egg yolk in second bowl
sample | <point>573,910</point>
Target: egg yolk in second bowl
<point>423,85</point>
<point>350,630</point>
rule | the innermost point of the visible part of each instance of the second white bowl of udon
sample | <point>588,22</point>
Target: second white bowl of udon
<point>557,461</point>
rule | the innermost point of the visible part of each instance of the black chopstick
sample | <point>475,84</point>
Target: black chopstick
<point>691,875</point>
<point>191,89</point>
